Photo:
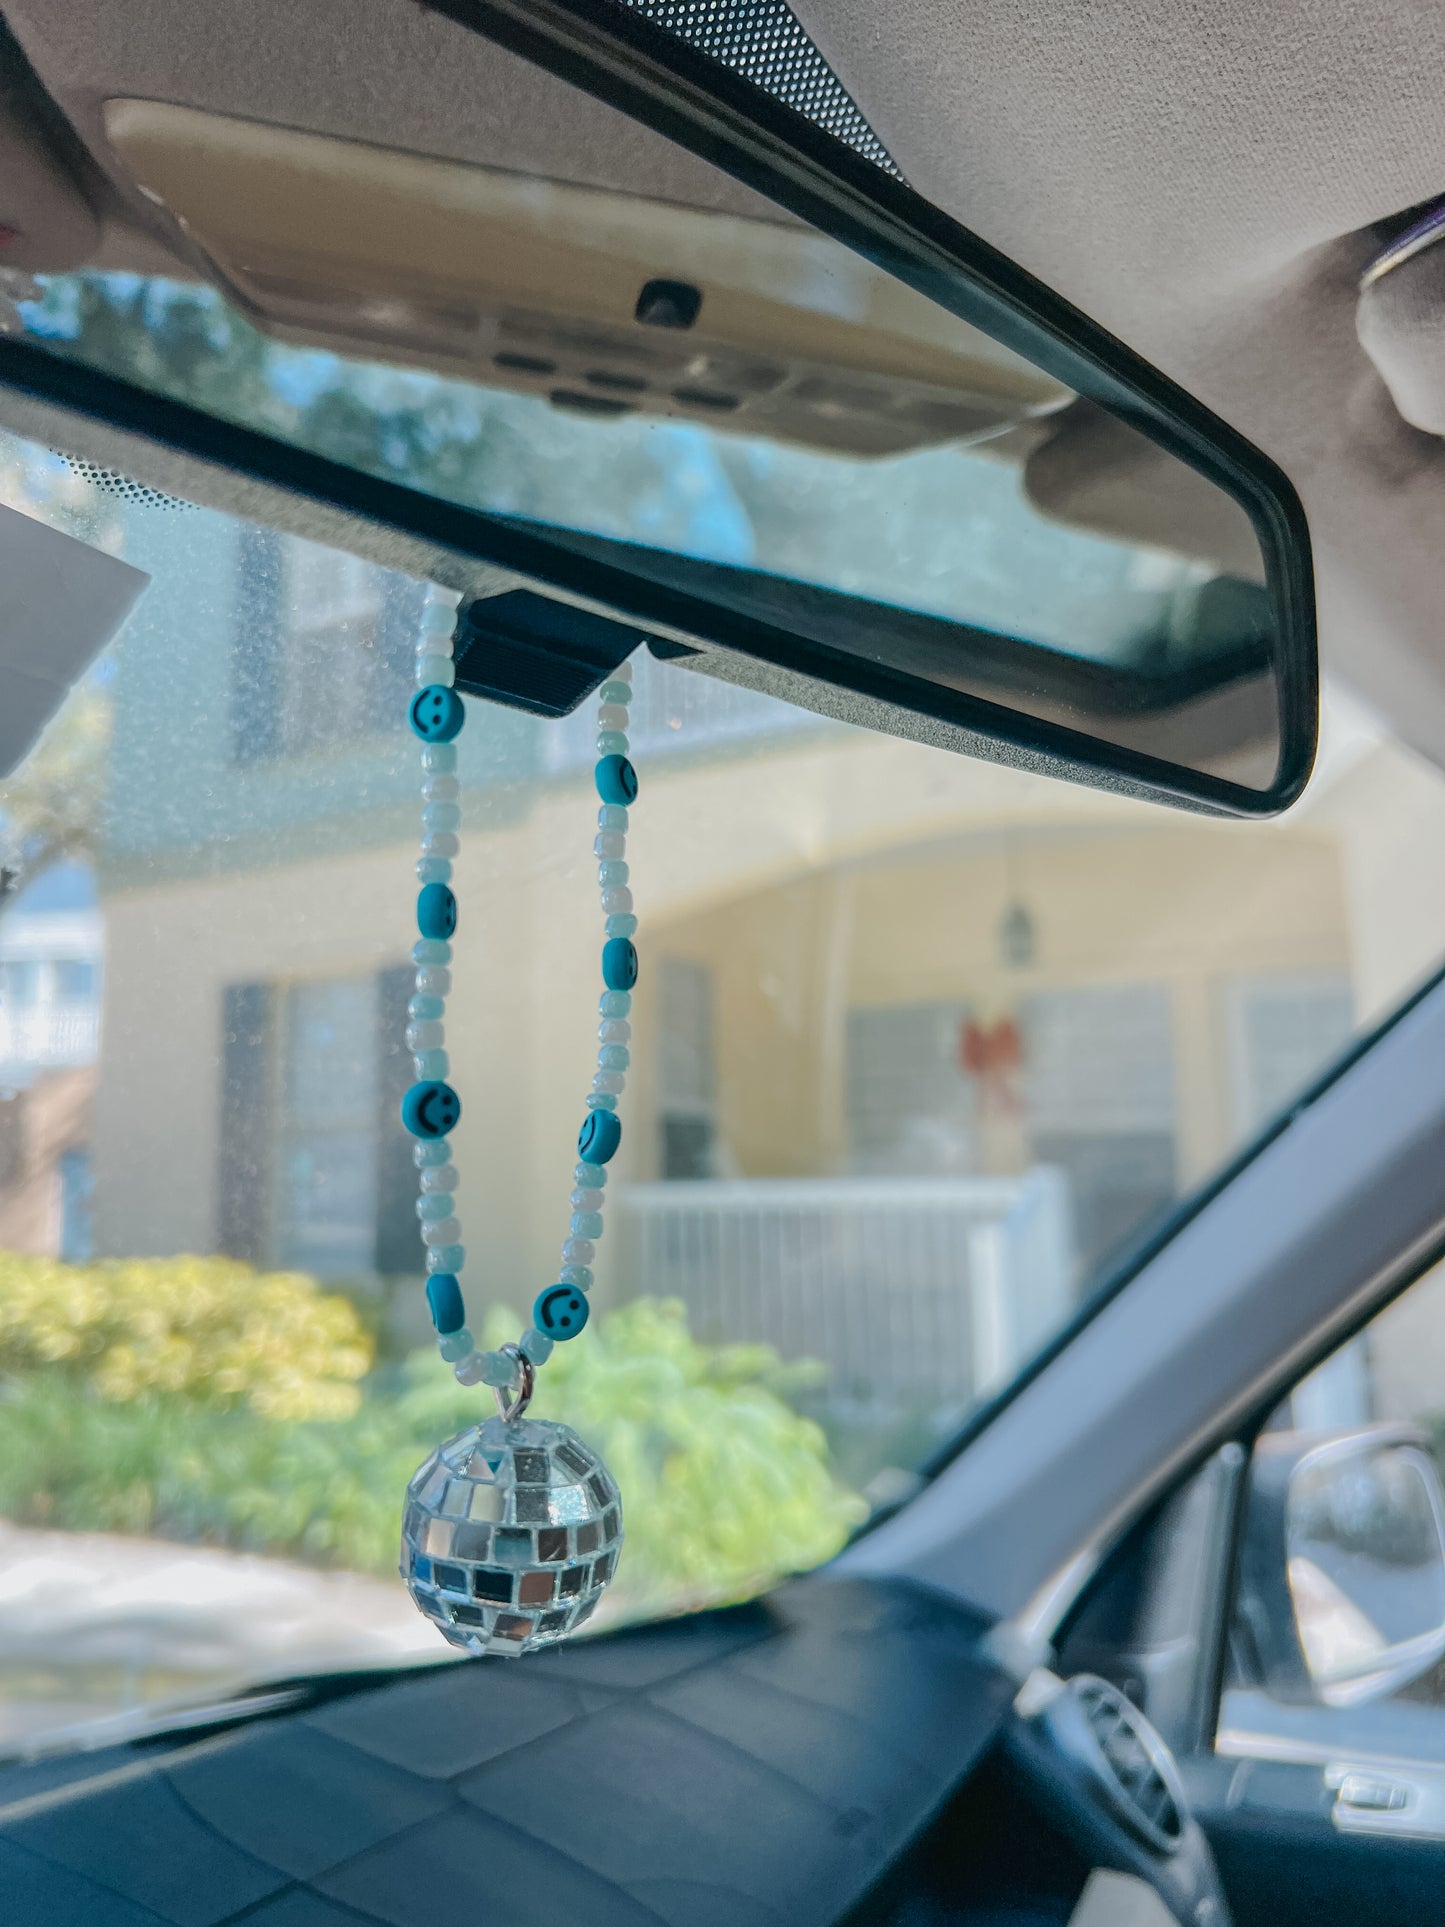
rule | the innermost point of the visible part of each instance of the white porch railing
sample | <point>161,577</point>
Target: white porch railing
<point>904,1288</point>
<point>48,1036</point>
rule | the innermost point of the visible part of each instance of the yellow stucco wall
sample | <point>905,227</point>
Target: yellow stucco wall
<point>841,871</point>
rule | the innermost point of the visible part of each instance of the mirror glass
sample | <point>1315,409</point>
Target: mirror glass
<point>599,335</point>
<point>1366,1551</point>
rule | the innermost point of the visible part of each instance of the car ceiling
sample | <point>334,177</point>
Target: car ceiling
<point>1205,180</point>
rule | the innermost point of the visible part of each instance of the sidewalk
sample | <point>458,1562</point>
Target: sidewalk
<point>94,1624</point>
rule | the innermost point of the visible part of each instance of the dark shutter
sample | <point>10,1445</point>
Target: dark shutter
<point>398,1246</point>
<point>244,1179</point>
<point>256,648</point>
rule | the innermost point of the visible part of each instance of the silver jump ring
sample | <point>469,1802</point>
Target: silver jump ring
<point>511,1405</point>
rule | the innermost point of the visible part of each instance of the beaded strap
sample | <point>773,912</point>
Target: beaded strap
<point>431,1108</point>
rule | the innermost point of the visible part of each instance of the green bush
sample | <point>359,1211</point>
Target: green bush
<point>207,1330</point>
<point>222,1417</point>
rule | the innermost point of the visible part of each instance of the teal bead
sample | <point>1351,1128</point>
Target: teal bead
<point>445,1258</point>
<point>591,1177</point>
<point>615,1003</point>
<point>436,1204</point>
<point>426,1010</point>
<point>578,1275</point>
<point>439,759</point>
<point>621,926</point>
<point>616,779</point>
<point>436,912</point>
<point>560,1312</point>
<point>599,1137</point>
<point>619,963</point>
<point>424,1155</point>
<point>453,1344</point>
<point>612,872</point>
<point>433,869</point>
<point>431,950</point>
<point>615,692</point>
<point>448,1314</point>
<point>601,1101</point>
<point>586,1224</point>
<point>436,713</point>
<point>431,1109</point>
<point>432,1066</point>
<point>611,742</point>
<point>536,1346</point>
<point>613,1057</point>
<point>441,816</point>
<point>612,816</point>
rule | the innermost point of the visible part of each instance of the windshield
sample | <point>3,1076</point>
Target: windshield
<point>921,1043</point>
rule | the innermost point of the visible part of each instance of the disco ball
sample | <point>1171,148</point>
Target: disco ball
<point>511,1532</point>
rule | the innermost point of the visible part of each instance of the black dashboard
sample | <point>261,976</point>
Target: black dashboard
<point>843,1750</point>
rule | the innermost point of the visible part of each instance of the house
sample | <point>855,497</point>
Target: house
<point>51,951</point>
<point>870,970</point>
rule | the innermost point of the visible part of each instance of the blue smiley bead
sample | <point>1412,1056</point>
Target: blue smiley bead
<point>560,1312</point>
<point>616,780</point>
<point>431,1108</point>
<point>436,911</point>
<point>436,713</point>
<point>444,1295</point>
<point>619,963</point>
<point>599,1138</point>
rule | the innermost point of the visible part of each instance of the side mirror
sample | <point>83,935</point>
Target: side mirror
<point>1342,1566</point>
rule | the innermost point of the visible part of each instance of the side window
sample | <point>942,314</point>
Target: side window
<point>1336,1646</point>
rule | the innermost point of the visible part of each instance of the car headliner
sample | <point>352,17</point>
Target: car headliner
<point>1203,180</point>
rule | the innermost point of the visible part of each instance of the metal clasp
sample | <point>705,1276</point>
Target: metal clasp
<point>511,1405</point>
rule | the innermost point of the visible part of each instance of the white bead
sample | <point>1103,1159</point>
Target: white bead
<point>445,843</point>
<point>434,980</point>
<point>432,669</point>
<point>442,1231</point>
<point>610,1083</point>
<point>614,1030</point>
<point>440,1177</point>
<point>578,1251</point>
<point>616,902</point>
<point>430,1034</point>
<point>587,1200</point>
<point>609,844</point>
<point>472,1369</point>
<point>441,789</point>
<point>612,716</point>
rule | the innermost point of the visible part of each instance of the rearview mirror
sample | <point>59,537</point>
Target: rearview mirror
<point>697,372</point>
<point>1348,1536</point>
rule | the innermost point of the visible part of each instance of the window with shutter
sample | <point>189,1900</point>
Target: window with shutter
<point>244,1174</point>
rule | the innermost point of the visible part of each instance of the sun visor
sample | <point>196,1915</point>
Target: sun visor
<point>62,603</point>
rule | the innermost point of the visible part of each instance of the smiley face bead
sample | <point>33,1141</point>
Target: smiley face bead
<point>436,911</point>
<point>431,1108</point>
<point>560,1312</point>
<point>436,713</point>
<point>599,1138</point>
<point>619,963</point>
<point>616,780</point>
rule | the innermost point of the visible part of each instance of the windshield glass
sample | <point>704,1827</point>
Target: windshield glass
<point>920,1044</point>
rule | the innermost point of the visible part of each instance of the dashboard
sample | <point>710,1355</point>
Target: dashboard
<point>841,1750</point>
